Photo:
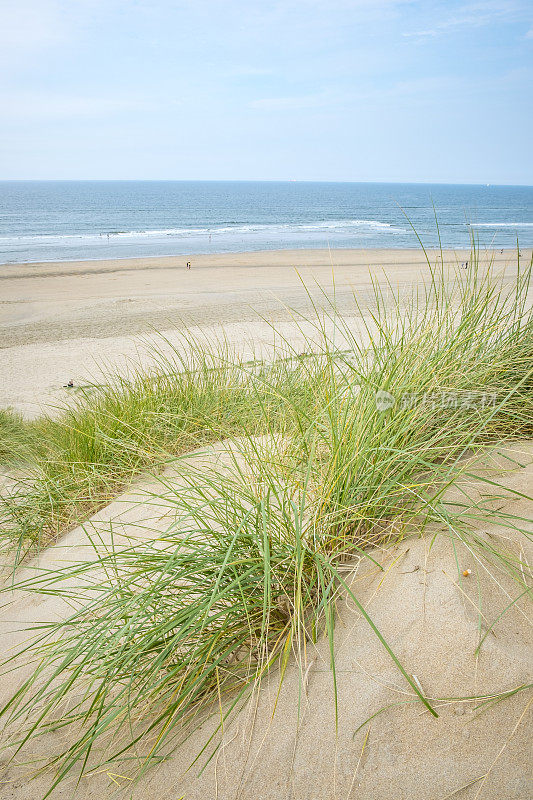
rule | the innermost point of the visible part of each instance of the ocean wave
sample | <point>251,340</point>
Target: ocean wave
<point>500,224</point>
<point>217,230</point>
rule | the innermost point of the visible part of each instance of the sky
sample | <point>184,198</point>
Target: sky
<point>340,90</point>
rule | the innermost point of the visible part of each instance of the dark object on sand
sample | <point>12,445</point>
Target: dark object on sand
<point>69,385</point>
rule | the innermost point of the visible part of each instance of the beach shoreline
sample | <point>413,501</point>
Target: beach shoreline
<point>62,320</point>
<point>230,253</point>
<point>259,258</point>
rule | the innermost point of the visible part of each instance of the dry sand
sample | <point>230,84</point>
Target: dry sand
<point>61,321</point>
<point>64,320</point>
<point>430,621</point>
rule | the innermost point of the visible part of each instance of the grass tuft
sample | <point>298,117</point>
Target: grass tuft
<point>327,455</point>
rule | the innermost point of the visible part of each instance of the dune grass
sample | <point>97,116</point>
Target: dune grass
<point>200,392</point>
<point>19,440</point>
<point>329,454</point>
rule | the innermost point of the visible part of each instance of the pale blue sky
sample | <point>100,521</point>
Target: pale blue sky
<point>358,90</point>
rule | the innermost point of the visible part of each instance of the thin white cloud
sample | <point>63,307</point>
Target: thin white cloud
<point>28,26</point>
<point>245,71</point>
<point>46,106</point>
<point>30,23</point>
<point>333,98</point>
<point>291,103</point>
<point>421,34</point>
<point>471,15</point>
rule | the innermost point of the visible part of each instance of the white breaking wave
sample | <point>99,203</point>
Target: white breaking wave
<point>320,226</point>
<point>501,224</point>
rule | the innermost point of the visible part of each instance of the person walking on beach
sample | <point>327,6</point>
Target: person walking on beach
<point>188,264</point>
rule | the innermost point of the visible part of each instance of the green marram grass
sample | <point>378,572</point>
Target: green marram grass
<point>201,392</point>
<point>19,440</point>
<point>317,473</point>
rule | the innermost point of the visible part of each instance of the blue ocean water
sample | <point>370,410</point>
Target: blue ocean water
<point>64,220</point>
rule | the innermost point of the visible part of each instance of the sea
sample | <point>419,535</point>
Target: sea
<point>79,220</point>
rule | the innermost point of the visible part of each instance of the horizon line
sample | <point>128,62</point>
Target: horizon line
<point>260,180</point>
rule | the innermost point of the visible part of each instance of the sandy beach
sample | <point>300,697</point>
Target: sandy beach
<point>65,320</point>
<point>77,320</point>
<point>266,401</point>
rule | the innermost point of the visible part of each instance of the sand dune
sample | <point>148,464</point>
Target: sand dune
<point>70,320</point>
<point>430,621</point>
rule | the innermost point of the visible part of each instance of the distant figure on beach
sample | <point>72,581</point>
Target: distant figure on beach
<point>466,264</point>
<point>188,264</point>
